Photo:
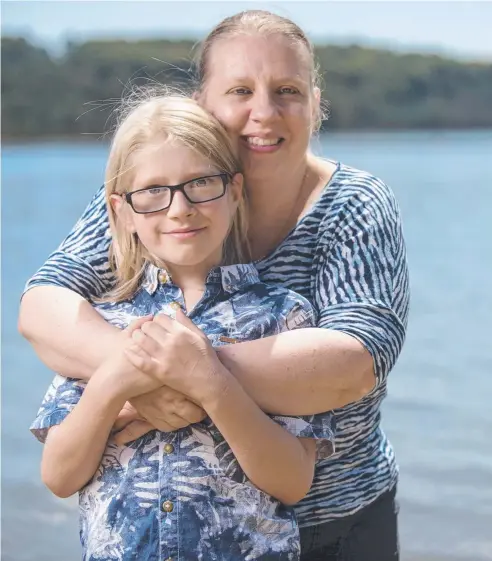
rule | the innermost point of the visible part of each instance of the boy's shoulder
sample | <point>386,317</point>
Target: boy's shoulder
<point>280,295</point>
<point>269,300</point>
<point>244,280</point>
<point>272,309</point>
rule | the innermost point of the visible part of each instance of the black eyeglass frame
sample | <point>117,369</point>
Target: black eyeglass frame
<point>226,179</point>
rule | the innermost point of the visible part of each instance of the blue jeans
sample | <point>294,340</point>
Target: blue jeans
<point>368,535</point>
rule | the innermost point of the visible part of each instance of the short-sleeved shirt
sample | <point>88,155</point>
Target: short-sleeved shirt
<point>183,495</point>
<point>347,257</point>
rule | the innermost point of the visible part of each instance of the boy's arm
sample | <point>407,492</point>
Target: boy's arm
<point>73,449</point>
<point>273,459</point>
<point>277,454</point>
<point>276,461</point>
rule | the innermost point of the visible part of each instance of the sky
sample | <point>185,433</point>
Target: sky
<point>458,29</point>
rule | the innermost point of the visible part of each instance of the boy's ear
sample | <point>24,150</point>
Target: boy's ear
<point>236,187</point>
<point>124,213</point>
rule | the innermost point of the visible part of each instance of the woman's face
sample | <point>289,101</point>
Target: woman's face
<point>260,88</point>
<point>185,234</point>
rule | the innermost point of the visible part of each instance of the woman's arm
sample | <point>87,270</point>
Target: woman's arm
<point>361,294</point>
<point>55,315</point>
<point>301,372</point>
<point>67,333</point>
<point>298,373</point>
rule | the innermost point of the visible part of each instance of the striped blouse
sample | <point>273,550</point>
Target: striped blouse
<point>347,257</point>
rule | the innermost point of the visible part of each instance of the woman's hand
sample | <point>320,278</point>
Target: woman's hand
<point>163,409</point>
<point>167,409</point>
<point>180,356</point>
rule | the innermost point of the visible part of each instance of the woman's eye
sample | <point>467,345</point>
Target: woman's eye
<point>288,90</point>
<point>241,91</point>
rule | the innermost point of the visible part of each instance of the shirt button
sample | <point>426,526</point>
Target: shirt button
<point>167,506</point>
<point>168,448</point>
<point>163,277</point>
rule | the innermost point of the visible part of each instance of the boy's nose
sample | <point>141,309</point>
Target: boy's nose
<point>180,206</point>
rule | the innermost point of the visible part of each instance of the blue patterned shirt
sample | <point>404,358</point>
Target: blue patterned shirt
<point>347,257</point>
<point>182,496</point>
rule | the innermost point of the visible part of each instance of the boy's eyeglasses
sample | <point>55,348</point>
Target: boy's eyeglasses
<point>160,197</point>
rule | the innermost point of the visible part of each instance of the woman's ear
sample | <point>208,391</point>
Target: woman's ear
<point>124,214</point>
<point>316,117</point>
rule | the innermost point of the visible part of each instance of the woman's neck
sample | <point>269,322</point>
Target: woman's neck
<point>277,202</point>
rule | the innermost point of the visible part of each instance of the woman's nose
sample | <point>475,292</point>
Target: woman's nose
<point>263,107</point>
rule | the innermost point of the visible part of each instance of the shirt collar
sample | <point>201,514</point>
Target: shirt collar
<point>231,278</point>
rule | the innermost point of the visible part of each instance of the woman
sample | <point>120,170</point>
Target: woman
<point>325,230</point>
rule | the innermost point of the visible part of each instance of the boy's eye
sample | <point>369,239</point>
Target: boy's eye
<point>203,182</point>
<point>156,190</point>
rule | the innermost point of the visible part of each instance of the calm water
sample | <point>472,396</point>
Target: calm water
<point>438,414</point>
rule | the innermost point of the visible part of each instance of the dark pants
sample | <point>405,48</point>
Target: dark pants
<point>368,535</point>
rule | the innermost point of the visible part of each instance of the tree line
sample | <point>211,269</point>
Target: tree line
<point>364,88</point>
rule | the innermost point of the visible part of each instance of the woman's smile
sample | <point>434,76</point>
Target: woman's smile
<point>262,145</point>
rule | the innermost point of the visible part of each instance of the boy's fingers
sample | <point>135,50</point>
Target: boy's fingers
<point>137,324</point>
<point>126,416</point>
<point>131,432</point>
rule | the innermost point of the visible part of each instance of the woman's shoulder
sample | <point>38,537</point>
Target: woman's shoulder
<point>349,182</point>
<point>352,191</point>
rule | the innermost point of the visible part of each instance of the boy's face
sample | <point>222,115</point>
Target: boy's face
<point>185,236</point>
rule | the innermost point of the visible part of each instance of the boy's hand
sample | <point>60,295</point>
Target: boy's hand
<point>118,375</point>
<point>176,353</point>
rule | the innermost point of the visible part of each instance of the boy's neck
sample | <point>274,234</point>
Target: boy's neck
<point>191,281</point>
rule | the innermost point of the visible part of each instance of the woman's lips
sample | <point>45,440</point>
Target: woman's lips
<point>262,145</point>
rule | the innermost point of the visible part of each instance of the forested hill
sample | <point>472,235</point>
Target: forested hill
<point>367,88</point>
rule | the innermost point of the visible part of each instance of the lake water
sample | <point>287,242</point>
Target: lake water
<point>438,414</point>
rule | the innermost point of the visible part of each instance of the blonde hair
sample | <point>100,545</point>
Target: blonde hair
<point>145,117</point>
<point>261,22</point>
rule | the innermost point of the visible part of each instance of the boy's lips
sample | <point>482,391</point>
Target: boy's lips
<point>184,233</point>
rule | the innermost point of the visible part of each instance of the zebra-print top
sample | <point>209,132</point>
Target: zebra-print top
<point>347,256</point>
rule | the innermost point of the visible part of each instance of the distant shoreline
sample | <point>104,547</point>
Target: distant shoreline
<point>93,139</point>
<point>364,89</point>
